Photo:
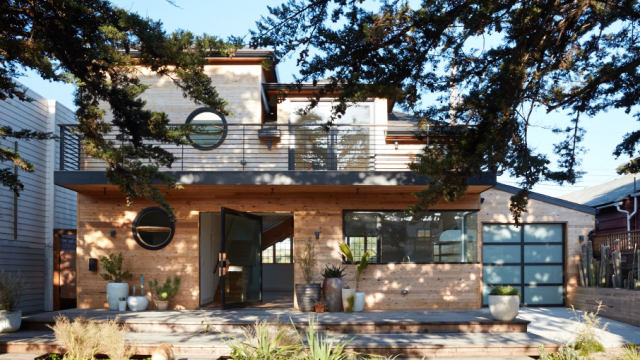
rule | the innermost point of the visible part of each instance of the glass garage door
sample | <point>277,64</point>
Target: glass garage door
<point>529,257</point>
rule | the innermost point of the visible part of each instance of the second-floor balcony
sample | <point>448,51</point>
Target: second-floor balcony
<point>275,147</point>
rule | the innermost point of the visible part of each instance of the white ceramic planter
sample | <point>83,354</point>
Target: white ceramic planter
<point>10,321</point>
<point>346,293</point>
<point>162,305</point>
<point>359,303</point>
<point>137,303</point>
<point>504,307</point>
<point>122,305</point>
<point>115,291</point>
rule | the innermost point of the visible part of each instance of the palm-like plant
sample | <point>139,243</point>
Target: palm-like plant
<point>359,268</point>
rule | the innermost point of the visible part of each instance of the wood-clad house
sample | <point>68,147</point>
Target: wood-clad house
<point>43,212</point>
<point>268,178</point>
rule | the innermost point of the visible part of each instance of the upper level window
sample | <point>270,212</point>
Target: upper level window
<point>211,128</point>
<point>340,147</point>
<point>279,253</point>
<point>153,229</point>
<point>427,237</point>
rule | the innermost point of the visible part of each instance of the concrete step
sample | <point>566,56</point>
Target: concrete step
<point>212,346</point>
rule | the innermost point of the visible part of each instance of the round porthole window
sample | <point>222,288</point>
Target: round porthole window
<point>211,129</point>
<point>152,228</point>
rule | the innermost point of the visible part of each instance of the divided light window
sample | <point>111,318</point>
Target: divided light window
<point>279,253</point>
<point>423,238</point>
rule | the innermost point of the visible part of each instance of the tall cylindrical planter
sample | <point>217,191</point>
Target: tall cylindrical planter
<point>358,304</point>
<point>115,291</point>
<point>504,307</point>
<point>307,296</point>
<point>348,299</point>
<point>10,321</point>
<point>332,288</point>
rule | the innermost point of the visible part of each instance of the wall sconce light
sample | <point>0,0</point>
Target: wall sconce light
<point>271,192</point>
<point>396,145</point>
<point>243,162</point>
<point>104,192</point>
<point>357,192</point>
<point>405,292</point>
<point>113,233</point>
<point>581,237</point>
<point>317,235</point>
<point>481,200</point>
<point>93,264</point>
<point>269,144</point>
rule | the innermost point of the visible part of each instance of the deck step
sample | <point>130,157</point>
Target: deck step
<point>211,346</point>
<point>234,322</point>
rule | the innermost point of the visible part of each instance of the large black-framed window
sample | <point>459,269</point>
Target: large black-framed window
<point>529,257</point>
<point>430,237</point>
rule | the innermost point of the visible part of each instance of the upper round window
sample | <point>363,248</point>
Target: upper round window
<point>211,131</point>
<point>152,228</point>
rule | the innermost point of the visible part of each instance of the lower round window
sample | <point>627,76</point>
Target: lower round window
<point>210,131</point>
<point>153,229</point>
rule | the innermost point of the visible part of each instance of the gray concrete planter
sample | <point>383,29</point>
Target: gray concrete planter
<point>332,288</point>
<point>504,307</point>
<point>115,291</point>
<point>307,296</point>
<point>10,321</point>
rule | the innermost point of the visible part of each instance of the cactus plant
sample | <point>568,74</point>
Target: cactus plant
<point>585,265</point>
<point>581,273</point>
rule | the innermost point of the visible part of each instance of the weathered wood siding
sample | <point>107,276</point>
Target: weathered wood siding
<point>314,208</point>
<point>618,304</point>
<point>27,253</point>
<point>495,209</point>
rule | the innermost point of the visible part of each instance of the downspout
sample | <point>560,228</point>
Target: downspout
<point>629,216</point>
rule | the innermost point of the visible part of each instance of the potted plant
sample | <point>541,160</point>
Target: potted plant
<point>116,289</point>
<point>332,287</point>
<point>504,302</point>
<point>122,304</point>
<point>307,294</point>
<point>162,294</point>
<point>11,288</point>
<point>320,306</point>
<point>352,299</point>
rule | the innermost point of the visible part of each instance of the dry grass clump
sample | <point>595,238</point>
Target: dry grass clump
<point>84,338</point>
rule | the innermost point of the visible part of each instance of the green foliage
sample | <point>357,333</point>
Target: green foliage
<point>113,266</point>
<point>542,56</point>
<point>306,259</point>
<point>11,288</point>
<point>166,291</point>
<point>333,272</point>
<point>564,353</point>
<point>324,347</point>
<point>504,290</point>
<point>261,342</point>
<point>350,302</point>
<point>630,352</point>
<point>587,339</point>
<point>98,47</point>
<point>362,264</point>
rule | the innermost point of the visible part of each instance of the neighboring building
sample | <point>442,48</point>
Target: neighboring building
<point>28,225</point>
<point>616,203</point>
<point>267,175</point>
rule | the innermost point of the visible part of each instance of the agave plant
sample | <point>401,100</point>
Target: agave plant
<point>364,261</point>
<point>325,347</point>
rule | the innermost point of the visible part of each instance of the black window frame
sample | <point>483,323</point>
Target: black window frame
<point>379,240</point>
<point>224,129</point>
<point>140,241</point>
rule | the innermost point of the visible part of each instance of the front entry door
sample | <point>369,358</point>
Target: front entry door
<point>240,258</point>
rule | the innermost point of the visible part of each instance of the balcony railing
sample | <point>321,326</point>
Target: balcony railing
<point>274,147</point>
<point>622,241</point>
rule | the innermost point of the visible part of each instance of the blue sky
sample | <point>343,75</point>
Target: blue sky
<point>224,18</point>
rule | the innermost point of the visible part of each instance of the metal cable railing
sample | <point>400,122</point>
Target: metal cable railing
<point>265,147</point>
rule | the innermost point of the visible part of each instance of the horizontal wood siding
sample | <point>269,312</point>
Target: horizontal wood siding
<point>28,259</point>
<point>618,304</point>
<point>495,209</point>
<point>430,286</point>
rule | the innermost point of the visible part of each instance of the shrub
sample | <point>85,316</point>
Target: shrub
<point>166,291</point>
<point>83,338</point>
<point>630,352</point>
<point>565,353</point>
<point>333,271</point>
<point>587,338</point>
<point>11,288</point>
<point>504,290</point>
<point>324,347</point>
<point>364,261</point>
<point>307,260</point>
<point>113,266</point>
<point>262,343</point>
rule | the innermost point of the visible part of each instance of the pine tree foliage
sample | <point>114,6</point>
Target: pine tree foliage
<point>505,58</point>
<point>99,48</point>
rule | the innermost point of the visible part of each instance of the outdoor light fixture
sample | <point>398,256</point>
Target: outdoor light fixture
<point>93,264</point>
<point>405,292</point>
<point>317,235</point>
<point>357,192</point>
<point>104,192</point>
<point>481,200</point>
<point>269,144</point>
<point>271,192</point>
<point>396,145</point>
<point>113,233</point>
<point>243,162</point>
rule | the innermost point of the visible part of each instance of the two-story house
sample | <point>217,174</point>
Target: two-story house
<point>267,178</point>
